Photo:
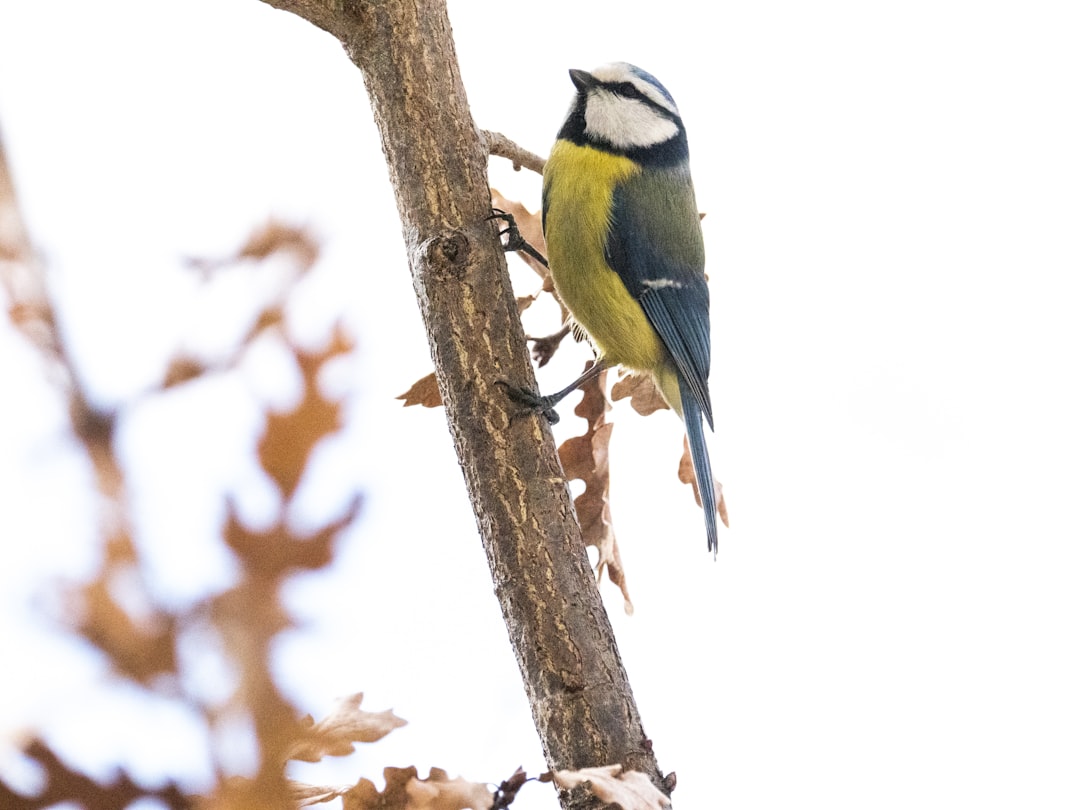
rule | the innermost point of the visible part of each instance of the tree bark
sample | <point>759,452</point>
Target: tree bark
<point>580,696</point>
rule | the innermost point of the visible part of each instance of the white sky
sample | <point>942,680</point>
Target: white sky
<point>892,204</point>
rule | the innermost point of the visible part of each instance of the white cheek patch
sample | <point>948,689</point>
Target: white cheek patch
<point>625,123</point>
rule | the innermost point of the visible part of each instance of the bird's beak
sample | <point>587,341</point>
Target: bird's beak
<point>582,80</point>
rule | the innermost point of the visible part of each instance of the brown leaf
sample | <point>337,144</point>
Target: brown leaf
<point>62,785</point>
<point>687,476</point>
<point>247,617</point>
<point>290,437</point>
<point>544,348</point>
<point>439,792</point>
<point>609,559</point>
<point>524,302</point>
<point>278,551</point>
<point>586,457</point>
<point>336,734</point>
<point>270,318</point>
<point>181,370</point>
<point>139,647</point>
<point>424,391</point>
<point>267,240</point>
<point>405,792</point>
<point>306,795</point>
<point>280,237</point>
<point>645,397</point>
<point>631,790</point>
<point>508,790</point>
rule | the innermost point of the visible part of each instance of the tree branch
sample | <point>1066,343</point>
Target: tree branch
<point>437,159</point>
<point>501,146</point>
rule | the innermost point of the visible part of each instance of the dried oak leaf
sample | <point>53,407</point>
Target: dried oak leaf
<point>306,795</point>
<point>508,790</point>
<point>347,724</point>
<point>278,550</point>
<point>265,241</point>
<point>280,237</point>
<point>644,396</point>
<point>526,301</point>
<point>62,785</point>
<point>586,457</point>
<point>544,348</point>
<point>290,437</point>
<point>424,391</point>
<point>183,369</point>
<point>687,476</point>
<point>139,647</point>
<point>630,790</point>
<point>270,318</point>
<point>405,792</point>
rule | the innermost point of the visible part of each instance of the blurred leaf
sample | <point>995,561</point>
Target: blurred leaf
<point>289,437</point>
<point>270,318</point>
<point>279,551</point>
<point>137,633</point>
<point>424,391</point>
<point>181,370</point>
<point>280,237</point>
<point>61,785</point>
<point>272,238</point>
<point>630,790</point>
<point>336,734</point>
<point>139,647</point>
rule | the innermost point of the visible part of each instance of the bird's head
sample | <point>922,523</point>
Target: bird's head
<point>621,108</point>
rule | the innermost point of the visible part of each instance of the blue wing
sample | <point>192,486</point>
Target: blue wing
<point>655,245</point>
<point>699,454</point>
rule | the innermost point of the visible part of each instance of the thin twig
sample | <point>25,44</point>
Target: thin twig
<point>501,146</point>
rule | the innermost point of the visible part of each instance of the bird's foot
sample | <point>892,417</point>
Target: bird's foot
<point>531,401</point>
<point>514,241</point>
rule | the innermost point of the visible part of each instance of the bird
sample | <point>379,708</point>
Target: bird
<point>625,247</point>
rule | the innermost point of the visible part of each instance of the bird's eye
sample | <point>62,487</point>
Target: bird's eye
<point>627,89</point>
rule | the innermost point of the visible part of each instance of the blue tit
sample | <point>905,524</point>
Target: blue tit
<point>625,247</point>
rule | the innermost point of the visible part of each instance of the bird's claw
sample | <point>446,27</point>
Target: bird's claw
<point>531,401</point>
<point>515,242</point>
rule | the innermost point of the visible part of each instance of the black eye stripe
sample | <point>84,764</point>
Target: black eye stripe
<point>630,90</point>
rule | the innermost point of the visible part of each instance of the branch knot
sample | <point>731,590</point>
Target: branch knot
<point>447,254</point>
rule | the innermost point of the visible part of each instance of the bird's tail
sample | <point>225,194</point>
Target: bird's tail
<point>699,453</point>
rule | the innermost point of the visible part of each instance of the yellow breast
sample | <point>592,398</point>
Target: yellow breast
<point>578,184</point>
